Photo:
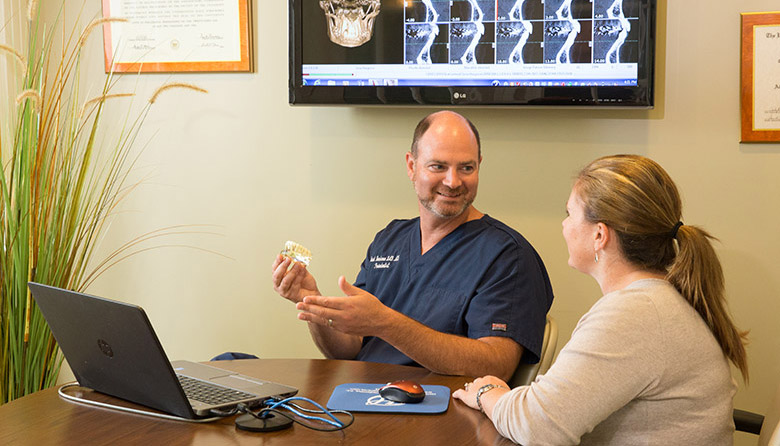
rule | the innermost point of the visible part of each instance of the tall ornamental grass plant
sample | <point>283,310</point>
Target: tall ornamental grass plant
<point>64,170</point>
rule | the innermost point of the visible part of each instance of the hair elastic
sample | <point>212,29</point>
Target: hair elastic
<point>675,229</point>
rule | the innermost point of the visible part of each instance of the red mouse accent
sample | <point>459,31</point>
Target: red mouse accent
<point>402,391</point>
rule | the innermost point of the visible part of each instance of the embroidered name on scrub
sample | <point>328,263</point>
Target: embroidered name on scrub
<point>380,262</point>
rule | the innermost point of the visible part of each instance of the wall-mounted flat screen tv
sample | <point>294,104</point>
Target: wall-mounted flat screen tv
<point>473,52</point>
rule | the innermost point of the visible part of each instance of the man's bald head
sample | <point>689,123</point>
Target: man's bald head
<point>444,117</point>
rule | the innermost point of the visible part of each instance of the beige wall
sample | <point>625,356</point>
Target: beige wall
<point>262,172</point>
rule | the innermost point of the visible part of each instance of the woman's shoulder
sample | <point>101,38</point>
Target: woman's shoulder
<point>638,309</point>
<point>654,309</point>
<point>644,294</point>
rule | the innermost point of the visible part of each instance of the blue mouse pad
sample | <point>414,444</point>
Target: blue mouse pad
<point>364,397</point>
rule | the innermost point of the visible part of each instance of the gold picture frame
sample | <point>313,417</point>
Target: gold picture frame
<point>760,77</point>
<point>159,36</point>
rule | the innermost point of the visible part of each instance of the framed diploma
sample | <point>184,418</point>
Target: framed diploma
<point>177,35</point>
<point>760,77</point>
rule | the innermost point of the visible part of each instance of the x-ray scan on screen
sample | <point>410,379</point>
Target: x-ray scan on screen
<point>450,43</point>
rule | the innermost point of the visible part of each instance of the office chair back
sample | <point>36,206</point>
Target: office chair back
<point>526,373</point>
<point>770,430</point>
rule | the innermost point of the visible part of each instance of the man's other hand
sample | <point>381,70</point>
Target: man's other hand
<point>357,313</point>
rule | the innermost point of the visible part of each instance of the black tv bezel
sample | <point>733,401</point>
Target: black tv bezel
<point>640,96</point>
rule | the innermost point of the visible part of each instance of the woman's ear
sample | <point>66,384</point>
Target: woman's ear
<point>601,237</point>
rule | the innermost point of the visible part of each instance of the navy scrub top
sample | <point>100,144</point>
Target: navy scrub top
<point>482,279</point>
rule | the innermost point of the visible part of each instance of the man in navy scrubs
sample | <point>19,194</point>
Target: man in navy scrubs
<point>454,290</point>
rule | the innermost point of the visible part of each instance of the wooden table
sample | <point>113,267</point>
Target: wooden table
<point>44,418</point>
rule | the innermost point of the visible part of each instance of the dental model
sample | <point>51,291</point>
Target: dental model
<point>296,252</point>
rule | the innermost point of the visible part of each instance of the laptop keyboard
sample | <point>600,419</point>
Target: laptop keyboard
<point>210,393</point>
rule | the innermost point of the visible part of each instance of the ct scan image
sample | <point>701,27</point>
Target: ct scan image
<point>471,32</point>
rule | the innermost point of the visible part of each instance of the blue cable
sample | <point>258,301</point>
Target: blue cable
<point>283,403</point>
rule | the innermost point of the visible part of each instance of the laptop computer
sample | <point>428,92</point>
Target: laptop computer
<point>112,348</point>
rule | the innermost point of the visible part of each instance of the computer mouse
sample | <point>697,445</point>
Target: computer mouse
<point>402,392</point>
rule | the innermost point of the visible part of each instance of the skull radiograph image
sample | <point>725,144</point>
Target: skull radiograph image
<point>350,22</point>
<point>471,32</point>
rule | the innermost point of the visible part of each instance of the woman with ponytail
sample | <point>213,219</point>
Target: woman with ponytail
<point>649,363</point>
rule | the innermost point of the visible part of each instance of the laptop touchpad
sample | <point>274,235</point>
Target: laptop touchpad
<point>237,382</point>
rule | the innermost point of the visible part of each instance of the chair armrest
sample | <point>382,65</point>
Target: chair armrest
<point>745,421</point>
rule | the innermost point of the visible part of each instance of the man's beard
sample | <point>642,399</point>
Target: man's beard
<point>449,210</point>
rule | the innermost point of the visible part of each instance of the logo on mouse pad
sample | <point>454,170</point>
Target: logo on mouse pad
<point>377,400</point>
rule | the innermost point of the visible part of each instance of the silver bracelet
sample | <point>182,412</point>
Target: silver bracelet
<point>483,389</point>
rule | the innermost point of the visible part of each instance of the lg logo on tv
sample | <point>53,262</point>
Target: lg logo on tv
<point>458,95</point>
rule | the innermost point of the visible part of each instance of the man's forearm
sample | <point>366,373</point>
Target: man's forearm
<point>360,314</point>
<point>451,354</point>
<point>335,344</point>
